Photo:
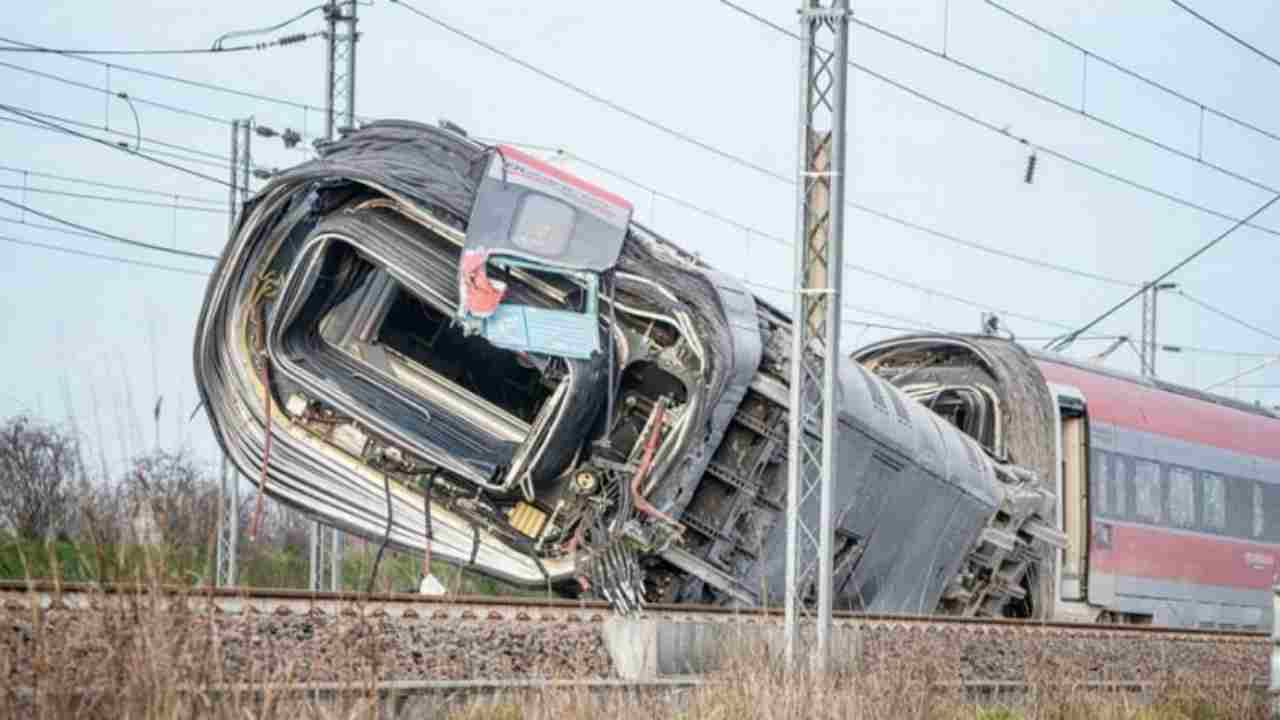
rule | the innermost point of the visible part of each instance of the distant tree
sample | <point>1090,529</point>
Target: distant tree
<point>38,470</point>
<point>176,495</point>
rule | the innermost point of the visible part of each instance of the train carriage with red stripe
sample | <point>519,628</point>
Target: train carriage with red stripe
<point>1169,496</point>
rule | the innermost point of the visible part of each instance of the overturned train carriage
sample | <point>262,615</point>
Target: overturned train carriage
<point>463,351</point>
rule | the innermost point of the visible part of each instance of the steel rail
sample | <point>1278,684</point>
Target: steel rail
<point>286,602</point>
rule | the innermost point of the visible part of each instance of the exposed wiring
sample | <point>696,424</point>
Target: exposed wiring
<point>386,536</point>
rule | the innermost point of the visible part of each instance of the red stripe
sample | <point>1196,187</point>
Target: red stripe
<point>1156,554</point>
<point>565,177</point>
<point>1131,405</point>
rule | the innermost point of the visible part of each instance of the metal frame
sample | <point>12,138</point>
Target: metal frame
<point>340,68</point>
<point>812,443</point>
<point>226,569</point>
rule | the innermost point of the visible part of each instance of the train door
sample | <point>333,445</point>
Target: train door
<point>1073,491</point>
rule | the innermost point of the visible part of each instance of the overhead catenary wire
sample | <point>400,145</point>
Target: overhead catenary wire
<point>1114,65</point>
<point>1070,337</point>
<point>1003,132</point>
<point>150,151</point>
<point>99,256</point>
<point>756,232</point>
<point>214,87</point>
<point>111,186</point>
<point>1082,110</point>
<point>167,107</point>
<point>136,153</point>
<point>278,42</point>
<point>106,235</point>
<point>1260,366</point>
<point>1226,315</point>
<point>980,247</point>
<point>150,139</point>
<point>636,116</point>
<point>1240,41</point>
<point>113,199</point>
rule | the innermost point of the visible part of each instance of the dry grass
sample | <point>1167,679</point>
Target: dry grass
<point>143,657</point>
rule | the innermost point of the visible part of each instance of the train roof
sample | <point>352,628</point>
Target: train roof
<point>1157,384</point>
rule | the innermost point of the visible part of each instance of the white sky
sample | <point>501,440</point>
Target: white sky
<point>79,330</point>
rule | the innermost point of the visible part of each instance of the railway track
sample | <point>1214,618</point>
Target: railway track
<point>285,603</point>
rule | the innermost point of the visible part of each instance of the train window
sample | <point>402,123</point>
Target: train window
<point>1120,471</point>
<point>1239,506</point>
<point>1101,482</point>
<point>1258,524</point>
<point>1271,510</point>
<point>1213,505</point>
<point>1182,498</point>
<point>1147,496</point>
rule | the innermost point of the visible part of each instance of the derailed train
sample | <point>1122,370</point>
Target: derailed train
<point>462,351</point>
<point>1171,496</point>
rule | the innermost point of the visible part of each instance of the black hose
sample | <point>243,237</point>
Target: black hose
<point>386,537</point>
<point>428,533</point>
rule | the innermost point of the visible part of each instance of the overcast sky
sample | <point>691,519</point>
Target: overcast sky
<point>96,343</point>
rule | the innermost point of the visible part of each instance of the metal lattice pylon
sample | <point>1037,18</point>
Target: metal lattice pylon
<point>226,571</point>
<point>340,67</point>
<point>812,448</point>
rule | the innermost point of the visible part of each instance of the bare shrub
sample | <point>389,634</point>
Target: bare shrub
<point>38,467</point>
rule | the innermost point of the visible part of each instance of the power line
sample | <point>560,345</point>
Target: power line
<point>1260,366</point>
<point>917,325</point>
<point>1003,132</point>
<point>1228,33</point>
<point>150,151</point>
<point>1067,339</point>
<point>756,232</point>
<point>578,89</point>
<point>278,42</point>
<point>110,186</point>
<point>1204,107</point>
<point>706,146</point>
<point>1082,110</point>
<point>149,139</point>
<point>94,88</point>
<point>107,235</point>
<point>111,258</point>
<point>112,199</point>
<point>1227,316</point>
<point>856,206</point>
<point>12,110</point>
<point>178,79</point>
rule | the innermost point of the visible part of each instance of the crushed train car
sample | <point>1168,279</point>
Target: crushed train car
<point>463,350</point>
